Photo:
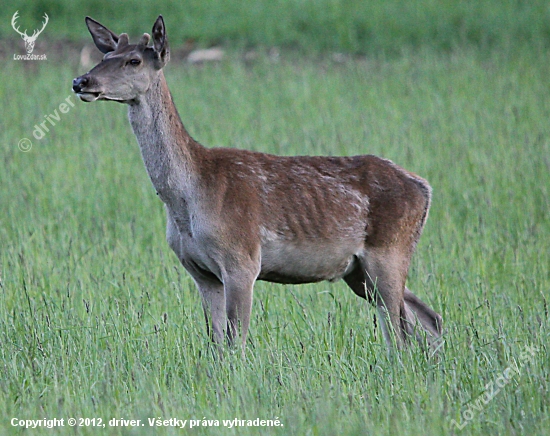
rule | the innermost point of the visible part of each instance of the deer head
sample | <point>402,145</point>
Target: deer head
<point>29,40</point>
<point>127,70</point>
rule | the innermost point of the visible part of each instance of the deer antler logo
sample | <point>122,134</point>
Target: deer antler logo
<point>29,40</point>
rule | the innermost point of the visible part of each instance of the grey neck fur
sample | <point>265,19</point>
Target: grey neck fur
<point>167,149</point>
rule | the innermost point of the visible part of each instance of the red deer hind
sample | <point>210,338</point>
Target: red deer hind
<point>237,216</point>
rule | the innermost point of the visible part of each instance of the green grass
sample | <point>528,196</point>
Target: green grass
<point>97,319</point>
<point>357,26</point>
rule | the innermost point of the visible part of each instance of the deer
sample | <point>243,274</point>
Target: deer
<point>236,216</point>
<point>29,40</point>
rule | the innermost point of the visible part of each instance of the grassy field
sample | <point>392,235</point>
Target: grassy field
<point>98,320</point>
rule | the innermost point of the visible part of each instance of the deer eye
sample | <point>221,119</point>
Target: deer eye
<point>134,62</point>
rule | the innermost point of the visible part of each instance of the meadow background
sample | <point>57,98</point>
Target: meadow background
<point>98,319</point>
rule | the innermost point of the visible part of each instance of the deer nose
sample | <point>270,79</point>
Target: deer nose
<point>80,83</point>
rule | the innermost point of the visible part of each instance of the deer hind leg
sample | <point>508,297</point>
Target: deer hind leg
<point>416,318</point>
<point>359,283</point>
<point>430,321</point>
<point>386,272</point>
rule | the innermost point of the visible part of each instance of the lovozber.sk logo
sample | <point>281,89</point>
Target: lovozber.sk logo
<point>29,40</point>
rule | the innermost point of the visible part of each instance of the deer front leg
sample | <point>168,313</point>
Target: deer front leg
<point>210,288</point>
<point>239,289</point>
<point>213,304</point>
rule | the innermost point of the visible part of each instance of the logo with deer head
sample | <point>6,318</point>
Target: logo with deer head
<point>29,40</point>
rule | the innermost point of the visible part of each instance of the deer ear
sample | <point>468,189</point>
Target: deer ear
<point>160,42</point>
<point>105,40</point>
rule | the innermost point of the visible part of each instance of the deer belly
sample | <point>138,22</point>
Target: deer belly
<point>290,263</point>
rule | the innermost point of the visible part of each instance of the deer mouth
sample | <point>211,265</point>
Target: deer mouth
<point>88,96</point>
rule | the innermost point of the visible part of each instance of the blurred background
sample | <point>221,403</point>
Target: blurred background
<point>351,26</point>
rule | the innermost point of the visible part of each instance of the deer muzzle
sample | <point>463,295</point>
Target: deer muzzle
<point>80,87</point>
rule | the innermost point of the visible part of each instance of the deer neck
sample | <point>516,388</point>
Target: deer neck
<point>169,153</point>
